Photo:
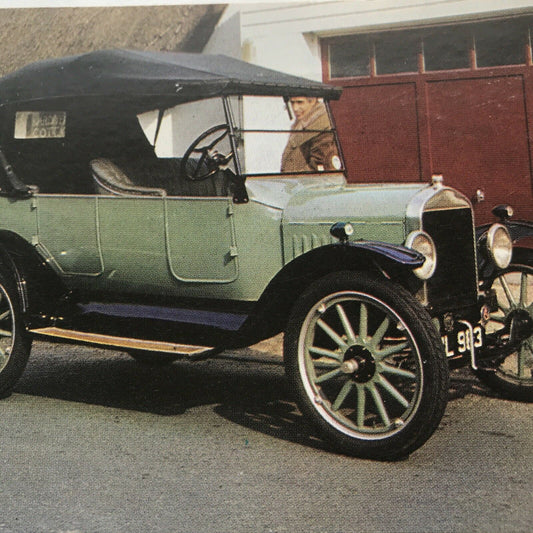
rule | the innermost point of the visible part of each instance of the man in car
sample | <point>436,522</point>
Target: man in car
<point>309,150</point>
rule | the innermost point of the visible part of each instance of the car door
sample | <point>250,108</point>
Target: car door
<point>200,239</point>
<point>166,246</point>
<point>67,234</point>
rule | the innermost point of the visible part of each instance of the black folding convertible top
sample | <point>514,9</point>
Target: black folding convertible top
<point>157,76</point>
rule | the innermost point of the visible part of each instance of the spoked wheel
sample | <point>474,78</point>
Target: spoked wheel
<point>514,376</point>
<point>15,342</point>
<point>367,365</point>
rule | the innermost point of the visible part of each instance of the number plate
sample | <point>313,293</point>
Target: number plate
<point>459,342</point>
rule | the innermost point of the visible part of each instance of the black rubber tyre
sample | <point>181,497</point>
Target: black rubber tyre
<point>366,365</point>
<point>153,359</point>
<point>15,341</point>
<point>513,378</point>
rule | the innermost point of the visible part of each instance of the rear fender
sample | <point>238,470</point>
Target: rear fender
<point>40,289</point>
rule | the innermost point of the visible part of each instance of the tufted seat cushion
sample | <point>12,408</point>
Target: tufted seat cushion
<point>163,176</point>
<point>110,179</point>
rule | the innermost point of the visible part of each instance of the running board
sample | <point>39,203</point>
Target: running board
<point>125,342</point>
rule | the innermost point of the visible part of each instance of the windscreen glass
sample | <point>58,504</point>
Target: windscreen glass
<point>285,136</point>
<point>272,135</point>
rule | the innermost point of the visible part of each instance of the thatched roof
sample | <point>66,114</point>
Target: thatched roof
<point>29,35</point>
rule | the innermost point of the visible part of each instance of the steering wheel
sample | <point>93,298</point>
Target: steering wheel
<point>210,159</point>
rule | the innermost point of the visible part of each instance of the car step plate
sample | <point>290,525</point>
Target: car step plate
<point>124,342</point>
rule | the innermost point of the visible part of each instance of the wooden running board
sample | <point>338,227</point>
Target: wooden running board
<point>124,342</point>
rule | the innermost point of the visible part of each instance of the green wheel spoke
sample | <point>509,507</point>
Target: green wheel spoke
<point>331,334</point>
<point>363,322</point>
<point>396,371</point>
<point>522,361</point>
<point>503,309</point>
<point>5,314</point>
<point>380,332</point>
<point>325,353</point>
<point>395,348</point>
<point>508,293</point>
<point>328,375</point>
<point>345,323</point>
<point>393,391</point>
<point>498,319</point>
<point>361,401</point>
<point>320,363</point>
<point>347,387</point>
<point>5,333</point>
<point>380,406</point>
<point>523,289</point>
<point>529,343</point>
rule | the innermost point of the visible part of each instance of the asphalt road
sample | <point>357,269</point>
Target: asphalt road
<point>92,441</point>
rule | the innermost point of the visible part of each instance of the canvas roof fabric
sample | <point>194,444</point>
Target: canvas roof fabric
<point>165,76</point>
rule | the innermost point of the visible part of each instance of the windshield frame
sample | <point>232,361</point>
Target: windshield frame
<point>236,135</point>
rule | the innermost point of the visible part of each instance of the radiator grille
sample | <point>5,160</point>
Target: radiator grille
<point>454,284</point>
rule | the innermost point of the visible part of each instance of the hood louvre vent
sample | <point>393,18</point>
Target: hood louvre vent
<point>305,243</point>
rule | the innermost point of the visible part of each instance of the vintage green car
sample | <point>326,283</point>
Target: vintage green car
<point>170,205</point>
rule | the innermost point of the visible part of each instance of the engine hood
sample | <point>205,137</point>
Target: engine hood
<point>377,212</point>
<point>385,212</point>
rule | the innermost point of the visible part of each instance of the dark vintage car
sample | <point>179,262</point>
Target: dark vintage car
<point>142,207</point>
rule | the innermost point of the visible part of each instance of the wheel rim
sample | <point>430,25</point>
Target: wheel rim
<point>360,365</point>
<point>7,328</point>
<point>514,290</point>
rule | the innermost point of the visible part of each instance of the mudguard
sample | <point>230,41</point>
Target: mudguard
<point>518,229</point>
<point>272,310</point>
<point>396,253</point>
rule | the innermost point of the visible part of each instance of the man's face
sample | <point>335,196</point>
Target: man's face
<point>301,106</point>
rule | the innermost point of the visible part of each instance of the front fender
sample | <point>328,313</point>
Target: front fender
<point>391,252</point>
<point>271,312</point>
<point>518,229</point>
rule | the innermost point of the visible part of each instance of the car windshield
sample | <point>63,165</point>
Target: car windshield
<point>272,135</point>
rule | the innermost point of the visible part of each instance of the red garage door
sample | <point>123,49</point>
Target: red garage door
<point>479,139</point>
<point>375,150</point>
<point>456,100</point>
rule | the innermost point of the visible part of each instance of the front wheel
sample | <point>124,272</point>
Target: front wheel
<point>367,365</point>
<point>513,377</point>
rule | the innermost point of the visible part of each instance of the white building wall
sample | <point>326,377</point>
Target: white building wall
<point>285,36</point>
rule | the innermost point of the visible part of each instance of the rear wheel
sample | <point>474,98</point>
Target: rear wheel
<point>514,289</point>
<point>367,365</point>
<point>15,341</point>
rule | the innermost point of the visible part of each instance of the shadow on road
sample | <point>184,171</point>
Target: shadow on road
<point>250,393</point>
<point>463,382</point>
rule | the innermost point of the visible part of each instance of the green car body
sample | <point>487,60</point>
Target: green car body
<point>117,241</point>
<point>105,241</point>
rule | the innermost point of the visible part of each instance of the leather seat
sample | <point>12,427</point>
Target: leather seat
<point>110,179</point>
